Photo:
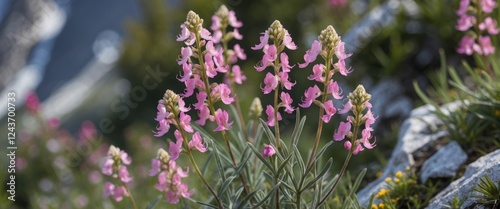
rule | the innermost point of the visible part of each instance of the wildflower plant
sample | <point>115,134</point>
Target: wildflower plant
<point>251,173</point>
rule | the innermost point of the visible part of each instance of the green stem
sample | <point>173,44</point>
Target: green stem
<point>130,196</point>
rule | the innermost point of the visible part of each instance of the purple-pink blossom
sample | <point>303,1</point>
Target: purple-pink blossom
<point>311,54</point>
<point>287,102</point>
<point>317,75</point>
<point>489,25</point>
<point>271,120</point>
<point>175,149</point>
<point>465,22</point>
<point>185,122</point>
<point>486,47</point>
<point>488,5</point>
<point>342,131</point>
<point>334,89</point>
<point>268,151</point>
<point>310,95</point>
<point>32,102</point>
<point>197,143</point>
<point>466,45</point>
<point>222,118</point>
<point>464,5</point>
<point>263,41</point>
<point>329,111</point>
<point>270,83</point>
<point>222,91</point>
<point>238,75</point>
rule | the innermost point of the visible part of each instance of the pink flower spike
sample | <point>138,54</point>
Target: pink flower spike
<point>490,25</point>
<point>342,131</point>
<point>317,73</point>
<point>107,168</point>
<point>237,35</point>
<point>197,143</point>
<point>488,5</point>
<point>288,42</point>
<point>184,34</point>
<point>270,116</point>
<point>310,95</point>
<point>238,76</point>
<point>155,167</point>
<point>335,90</point>
<point>240,53</point>
<point>340,65</point>
<point>124,176</point>
<point>466,45</point>
<point>204,114</point>
<point>233,21</point>
<point>311,54</point>
<point>263,41</point>
<point>465,22</point>
<point>270,83</point>
<point>486,46</point>
<point>187,70</point>
<point>186,53</point>
<point>268,151</point>
<point>340,52</point>
<point>185,122</point>
<point>221,118</point>
<point>329,111</point>
<point>347,107</point>
<point>464,4</point>
<point>287,102</point>
<point>201,97</point>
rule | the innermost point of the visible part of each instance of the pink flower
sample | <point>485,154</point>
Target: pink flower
<point>155,167</point>
<point>215,23</point>
<point>162,128</point>
<point>466,45</point>
<point>32,102</point>
<point>365,137</point>
<point>288,42</point>
<point>490,25</point>
<point>223,91</point>
<point>124,176</point>
<point>239,52</point>
<point>185,122</point>
<point>269,56</point>
<point>87,131</point>
<point>263,41</point>
<point>201,97</point>
<point>488,5</point>
<point>125,158</point>
<point>285,65</point>
<point>359,148</point>
<point>175,149</point>
<point>237,35</point>
<point>204,114</point>
<point>212,50</point>
<point>464,5</point>
<point>340,66</point>
<point>233,21</point>
<point>329,111</point>
<point>287,102</point>
<point>340,51</point>
<point>185,55</point>
<point>311,54</point>
<point>347,107</point>
<point>486,46</point>
<point>182,105</point>
<point>465,22</point>
<point>119,192</point>
<point>190,86</point>
<point>268,151</point>
<point>205,34</point>
<point>238,76</point>
<point>183,190</point>
<point>270,116</point>
<point>342,131</point>
<point>334,89</point>
<point>197,143</point>
<point>109,189</point>
<point>317,73</point>
<point>107,168</point>
<point>187,69</point>
<point>185,34</point>
<point>270,83</point>
<point>53,123</point>
<point>310,95</point>
<point>221,118</point>
<point>284,80</point>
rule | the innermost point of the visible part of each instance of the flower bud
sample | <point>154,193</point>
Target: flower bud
<point>276,31</point>
<point>329,38</point>
<point>255,108</point>
<point>223,14</point>
<point>114,152</point>
<point>163,156</point>
<point>171,101</point>
<point>359,97</point>
<point>268,151</point>
<point>193,22</point>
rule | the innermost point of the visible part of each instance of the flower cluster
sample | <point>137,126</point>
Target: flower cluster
<point>169,177</point>
<point>115,166</point>
<point>399,189</point>
<point>211,61</point>
<point>327,46</point>
<point>358,102</point>
<point>275,57</point>
<point>477,25</point>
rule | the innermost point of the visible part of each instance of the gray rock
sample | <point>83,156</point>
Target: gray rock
<point>462,187</point>
<point>415,137</point>
<point>444,163</point>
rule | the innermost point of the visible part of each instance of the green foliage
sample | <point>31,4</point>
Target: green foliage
<point>455,203</point>
<point>489,192</point>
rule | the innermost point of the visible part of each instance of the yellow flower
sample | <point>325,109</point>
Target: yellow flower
<point>379,174</point>
<point>394,201</point>
<point>407,168</point>
<point>381,206</point>
<point>388,180</point>
<point>374,206</point>
<point>382,193</point>
<point>399,174</point>
<point>396,180</point>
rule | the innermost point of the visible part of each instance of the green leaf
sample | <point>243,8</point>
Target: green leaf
<point>269,194</point>
<point>268,132</point>
<point>357,182</point>
<point>319,176</point>
<point>153,203</point>
<point>257,153</point>
<point>218,162</point>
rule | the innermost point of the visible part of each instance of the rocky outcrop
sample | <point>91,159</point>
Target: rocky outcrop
<point>445,163</point>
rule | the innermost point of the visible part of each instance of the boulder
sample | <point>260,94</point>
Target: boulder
<point>444,163</point>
